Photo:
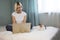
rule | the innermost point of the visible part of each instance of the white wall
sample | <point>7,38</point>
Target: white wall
<point>50,20</point>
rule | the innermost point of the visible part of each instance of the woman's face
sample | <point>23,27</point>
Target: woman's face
<point>19,9</point>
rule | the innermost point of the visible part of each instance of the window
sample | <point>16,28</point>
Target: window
<point>48,6</point>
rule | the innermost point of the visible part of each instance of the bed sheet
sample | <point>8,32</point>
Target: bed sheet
<point>35,34</point>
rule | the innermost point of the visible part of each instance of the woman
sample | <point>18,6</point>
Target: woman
<point>18,16</point>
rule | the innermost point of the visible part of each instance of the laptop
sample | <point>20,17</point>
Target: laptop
<point>21,28</point>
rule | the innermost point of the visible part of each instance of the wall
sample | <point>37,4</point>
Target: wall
<point>6,9</point>
<point>50,20</point>
<point>5,12</point>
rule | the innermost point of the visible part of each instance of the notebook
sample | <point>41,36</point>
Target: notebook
<point>21,28</point>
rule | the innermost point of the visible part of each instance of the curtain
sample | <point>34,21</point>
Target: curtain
<point>33,12</point>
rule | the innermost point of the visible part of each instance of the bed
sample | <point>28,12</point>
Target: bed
<point>48,34</point>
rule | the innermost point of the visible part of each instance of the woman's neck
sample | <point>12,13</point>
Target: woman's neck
<point>19,12</point>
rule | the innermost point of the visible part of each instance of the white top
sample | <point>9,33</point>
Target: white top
<point>19,17</point>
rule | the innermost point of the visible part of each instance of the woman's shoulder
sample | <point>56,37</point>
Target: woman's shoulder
<point>13,13</point>
<point>24,13</point>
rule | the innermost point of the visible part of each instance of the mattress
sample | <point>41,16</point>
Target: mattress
<point>34,34</point>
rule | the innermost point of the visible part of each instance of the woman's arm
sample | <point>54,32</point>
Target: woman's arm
<point>13,20</point>
<point>24,20</point>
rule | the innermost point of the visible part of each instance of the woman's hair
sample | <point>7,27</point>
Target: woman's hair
<point>16,4</point>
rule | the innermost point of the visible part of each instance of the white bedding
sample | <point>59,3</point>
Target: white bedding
<point>35,34</point>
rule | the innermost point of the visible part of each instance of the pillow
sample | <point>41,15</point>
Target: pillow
<point>21,28</point>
